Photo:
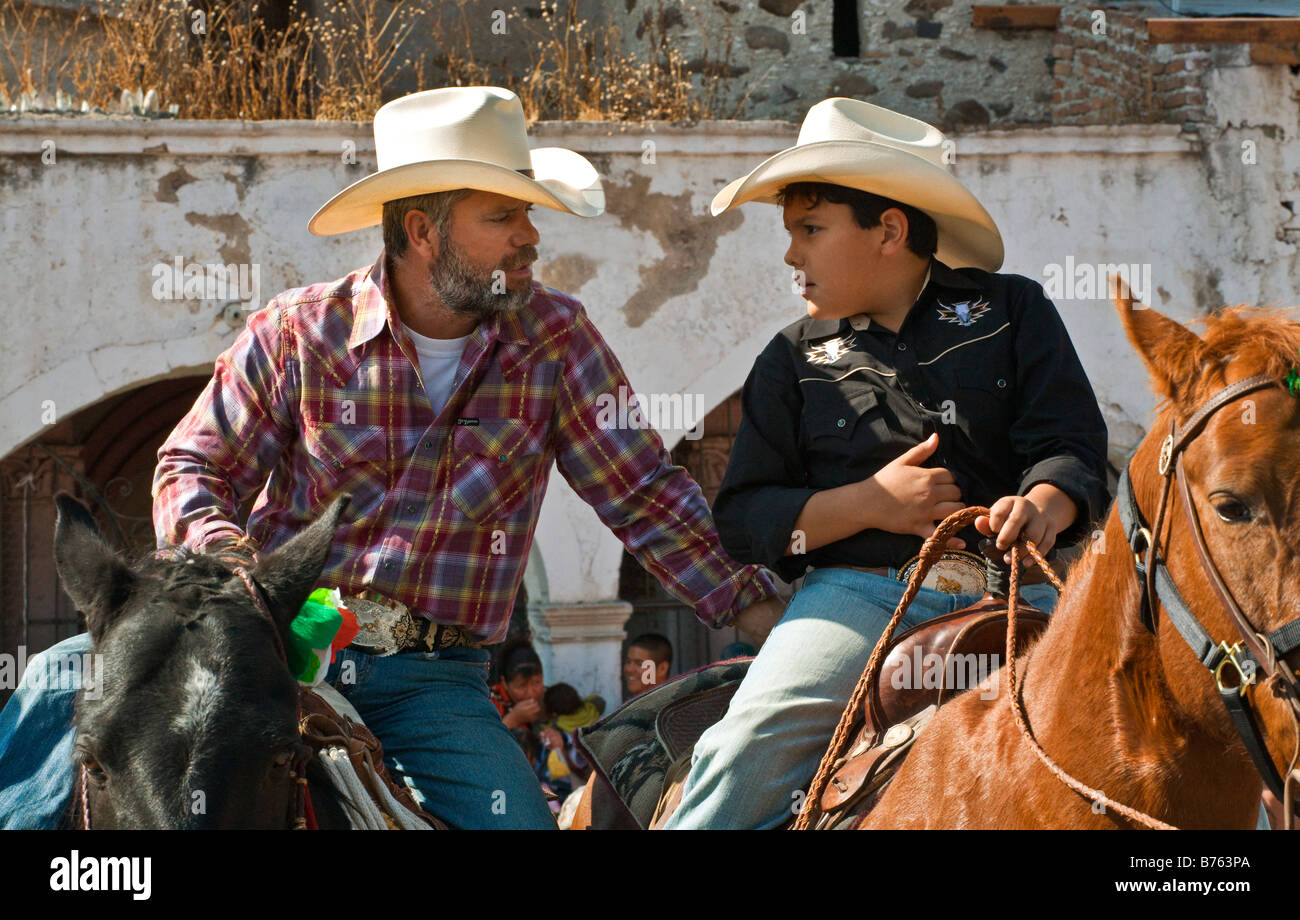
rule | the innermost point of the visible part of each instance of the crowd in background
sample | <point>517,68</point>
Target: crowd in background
<point>545,719</point>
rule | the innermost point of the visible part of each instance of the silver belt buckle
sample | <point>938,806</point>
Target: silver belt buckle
<point>382,628</point>
<point>956,572</point>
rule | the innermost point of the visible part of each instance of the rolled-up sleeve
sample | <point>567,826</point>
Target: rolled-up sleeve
<point>653,506</point>
<point>765,486</point>
<point>225,446</point>
<point>1059,432</point>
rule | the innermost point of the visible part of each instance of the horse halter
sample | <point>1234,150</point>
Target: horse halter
<point>301,803</point>
<point>298,771</point>
<point>1254,650</point>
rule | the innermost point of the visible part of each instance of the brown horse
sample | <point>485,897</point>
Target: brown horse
<point>1127,710</point>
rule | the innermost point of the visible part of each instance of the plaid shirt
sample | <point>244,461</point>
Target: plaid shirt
<point>322,392</point>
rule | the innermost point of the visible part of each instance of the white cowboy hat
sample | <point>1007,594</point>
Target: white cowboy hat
<point>863,146</point>
<point>460,137</point>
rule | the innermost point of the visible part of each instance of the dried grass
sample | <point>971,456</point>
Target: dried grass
<point>222,60</point>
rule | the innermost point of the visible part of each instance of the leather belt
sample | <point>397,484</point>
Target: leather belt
<point>388,627</point>
<point>956,572</point>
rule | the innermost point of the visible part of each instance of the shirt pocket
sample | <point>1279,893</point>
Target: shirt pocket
<point>983,402</point>
<point>496,464</point>
<point>832,421</point>
<point>348,457</point>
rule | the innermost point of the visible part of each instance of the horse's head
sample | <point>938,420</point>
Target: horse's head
<point>1243,477</point>
<point>193,722</point>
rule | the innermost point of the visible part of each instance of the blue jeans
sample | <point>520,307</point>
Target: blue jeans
<point>749,769</point>
<point>441,734</point>
<point>36,740</point>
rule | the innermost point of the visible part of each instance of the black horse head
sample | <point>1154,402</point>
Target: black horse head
<point>193,720</point>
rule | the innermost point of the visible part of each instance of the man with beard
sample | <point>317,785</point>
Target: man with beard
<point>436,387</point>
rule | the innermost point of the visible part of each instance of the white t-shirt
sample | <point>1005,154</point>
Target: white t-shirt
<point>439,359</point>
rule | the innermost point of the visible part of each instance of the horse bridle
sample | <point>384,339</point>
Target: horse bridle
<point>1254,650</point>
<point>298,768</point>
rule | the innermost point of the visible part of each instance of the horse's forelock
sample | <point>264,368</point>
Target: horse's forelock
<point>1253,340</point>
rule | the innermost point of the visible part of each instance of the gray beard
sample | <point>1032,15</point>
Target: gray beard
<point>466,293</point>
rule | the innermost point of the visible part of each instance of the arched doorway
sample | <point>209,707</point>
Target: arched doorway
<point>104,455</point>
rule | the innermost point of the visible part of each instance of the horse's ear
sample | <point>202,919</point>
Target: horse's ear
<point>290,573</point>
<point>96,579</point>
<point>1174,355</point>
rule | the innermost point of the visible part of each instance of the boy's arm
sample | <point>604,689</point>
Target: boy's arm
<point>1059,431</point>
<point>225,446</point>
<point>651,505</point>
<point>765,489</point>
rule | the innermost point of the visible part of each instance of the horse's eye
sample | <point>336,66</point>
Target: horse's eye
<point>94,770</point>
<point>1232,510</point>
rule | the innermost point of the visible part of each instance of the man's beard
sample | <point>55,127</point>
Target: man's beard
<point>464,292</point>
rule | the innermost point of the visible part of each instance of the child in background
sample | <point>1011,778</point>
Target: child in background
<point>567,713</point>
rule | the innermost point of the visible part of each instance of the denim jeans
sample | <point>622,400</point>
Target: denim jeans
<point>36,740</point>
<point>441,734</point>
<point>749,769</point>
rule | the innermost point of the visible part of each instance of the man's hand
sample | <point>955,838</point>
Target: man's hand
<point>1039,517</point>
<point>232,552</point>
<point>757,620</point>
<point>522,713</point>
<point>909,498</point>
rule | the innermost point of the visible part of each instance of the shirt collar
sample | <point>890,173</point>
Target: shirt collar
<point>373,304</point>
<point>937,274</point>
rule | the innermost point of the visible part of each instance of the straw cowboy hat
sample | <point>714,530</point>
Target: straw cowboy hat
<point>863,146</point>
<point>460,137</point>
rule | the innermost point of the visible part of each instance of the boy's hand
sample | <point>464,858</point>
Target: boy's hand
<point>1039,517</point>
<point>909,498</point>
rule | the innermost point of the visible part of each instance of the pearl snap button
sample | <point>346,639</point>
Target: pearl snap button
<point>841,423</point>
<point>1001,383</point>
<point>902,346</point>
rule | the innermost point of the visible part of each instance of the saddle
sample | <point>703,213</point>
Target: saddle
<point>634,749</point>
<point>641,753</point>
<point>922,670</point>
<point>353,759</point>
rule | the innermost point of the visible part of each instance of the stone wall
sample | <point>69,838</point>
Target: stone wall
<point>772,59</point>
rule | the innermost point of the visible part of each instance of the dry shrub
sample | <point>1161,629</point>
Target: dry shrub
<point>221,59</point>
<point>360,53</point>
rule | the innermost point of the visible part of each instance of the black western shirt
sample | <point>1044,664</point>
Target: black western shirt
<point>982,358</point>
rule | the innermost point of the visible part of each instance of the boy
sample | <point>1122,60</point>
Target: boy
<point>919,383</point>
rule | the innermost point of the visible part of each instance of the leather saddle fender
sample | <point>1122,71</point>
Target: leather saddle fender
<point>924,668</point>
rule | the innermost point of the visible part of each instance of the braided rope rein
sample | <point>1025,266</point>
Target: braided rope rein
<point>931,550</point>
